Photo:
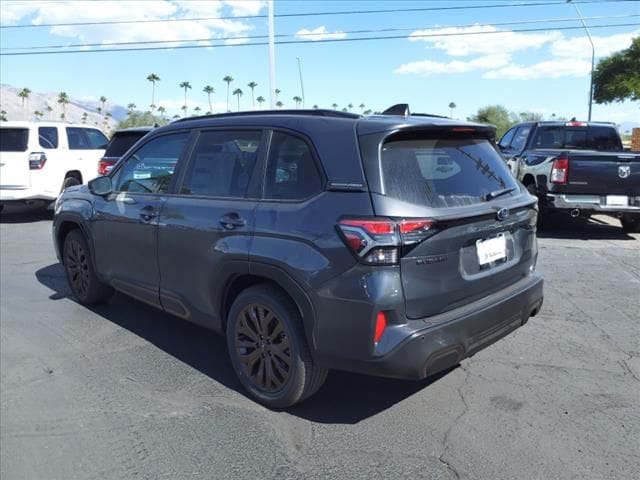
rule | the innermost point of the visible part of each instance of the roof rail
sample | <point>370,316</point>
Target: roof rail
<point>312,112</point>
<point>428,115</point>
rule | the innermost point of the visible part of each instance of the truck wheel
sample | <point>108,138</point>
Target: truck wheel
<point>268,349</point>
<point>84,283</point>
<point>531,188</point>
<point>69,182</point>
<point>630,223</point>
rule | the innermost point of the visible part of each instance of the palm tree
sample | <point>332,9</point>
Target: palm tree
<point>103,100</point>
<point>176,116</point>
<point>228,79</point>
<point>260,101</point>
<point>252,85</point>
<point>297,99</point>
<point>350,106</point>
<point>85,116</point>
<point>99,110</point>
<point>49,109</point>
<point>3,115</point>
<point>63,99</point>
<point>367,112</point>
<point>452,105</point>
<point>209,90</point>
<point>24,95</point>
<point>335,106</point>
<point>279,104</point>
<point>186,86</point>
<point>153,78</point>
<point>197,110</point>
<point>38,114</point>
<point>239,93</point>
<point>315,107</point>
<point>362,107</point>
<point>277,93</point>
<point>184,108</point>
<point>161,111</point>
<point>130,108</point>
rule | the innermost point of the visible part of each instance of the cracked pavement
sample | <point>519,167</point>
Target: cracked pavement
<point>125,391</point>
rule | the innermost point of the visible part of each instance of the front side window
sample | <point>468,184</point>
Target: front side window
<point>505,141</point>
<point>292,173</point>
<point>14,139</point>
<point>150,168</point>
<point>520,138</point>
<point>443,172</point>
<point>48,137</point>
<point>222,163</point>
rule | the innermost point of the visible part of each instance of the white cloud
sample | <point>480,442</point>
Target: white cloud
<point>430,67</point>
<point>579,47</point>
<point>481,39</point>
<point>566,67</point>
<point>73,11</point>
<point>320,33</point>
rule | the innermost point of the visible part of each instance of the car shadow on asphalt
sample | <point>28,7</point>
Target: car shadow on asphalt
<point>25,214</point>
<point>564,227</point>
<point>345,398</point>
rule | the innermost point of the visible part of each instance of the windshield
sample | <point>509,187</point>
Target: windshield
<point>14,139</point>
<point>444,173</point>
<point>121,142</point>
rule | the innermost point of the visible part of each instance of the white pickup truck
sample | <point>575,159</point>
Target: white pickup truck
<point>40,159</point>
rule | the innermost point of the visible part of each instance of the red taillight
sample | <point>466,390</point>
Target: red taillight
<point>574,123</point>
<point>381,324</point>
<point>463,129</point>
<point>37,160</point>
<point>560,170</point>
<point>378,241</point>
<point>105,166</point>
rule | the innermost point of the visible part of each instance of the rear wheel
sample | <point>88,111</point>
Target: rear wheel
<point>630,223</point>
<point>84,283</point>
<point>69,182</point>
<point>268,349</point>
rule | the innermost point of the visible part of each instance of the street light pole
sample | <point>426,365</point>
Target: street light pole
<point>301,84</point>
<point>593,56</point>
<point>272,57</point>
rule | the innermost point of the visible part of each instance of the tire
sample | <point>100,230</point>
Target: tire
<point>531,188</point>
<point>271,357</point>
<point>78,265</point>
<point>69,182</point>
<point>630,223</point>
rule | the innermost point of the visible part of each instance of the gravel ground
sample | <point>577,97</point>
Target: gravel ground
<point>124,391</point>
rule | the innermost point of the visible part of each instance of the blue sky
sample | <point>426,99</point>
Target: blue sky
<point>545,71</point>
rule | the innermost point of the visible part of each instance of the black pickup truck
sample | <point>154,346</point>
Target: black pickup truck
<point>576,167</point>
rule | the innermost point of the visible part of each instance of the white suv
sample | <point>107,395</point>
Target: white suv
<point>40,159</point>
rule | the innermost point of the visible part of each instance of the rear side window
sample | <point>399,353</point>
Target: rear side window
<point>222,163</point>
<point>97,139</point>
<point>14,139</point>
<point>48,137</point>
<point>121,142</point>
<point>291,171</point>
<point>589,138</point>
<point>443,172</point>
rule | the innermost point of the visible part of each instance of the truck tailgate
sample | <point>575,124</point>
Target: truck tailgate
<point>603,174</point>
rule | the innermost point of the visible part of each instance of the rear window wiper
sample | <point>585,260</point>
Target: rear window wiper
<point>497,193</point>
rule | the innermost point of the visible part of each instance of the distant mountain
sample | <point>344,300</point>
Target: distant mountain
<point>12,104</point>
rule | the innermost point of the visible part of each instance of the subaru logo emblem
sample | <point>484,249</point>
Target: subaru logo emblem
<point>624,171</point>
<point>502,214</point>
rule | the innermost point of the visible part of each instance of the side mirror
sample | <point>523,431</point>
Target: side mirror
<point>100,186</point>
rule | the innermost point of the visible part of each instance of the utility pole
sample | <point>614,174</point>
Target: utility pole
<point>593,56</point>
<point>301,84</point>
<point>272,58</point>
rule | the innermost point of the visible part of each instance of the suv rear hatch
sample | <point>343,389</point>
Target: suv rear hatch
<point>14,158</point>
<point>482,238</point>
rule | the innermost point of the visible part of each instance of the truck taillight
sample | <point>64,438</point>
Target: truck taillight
<point>379,241</point>
<point>37,160</point>
<point>560,170</point>
<point>105,166</point>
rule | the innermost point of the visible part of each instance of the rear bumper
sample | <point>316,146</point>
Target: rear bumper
<point>596,203</point>
<point>437,343</point>
<point>25,194</point>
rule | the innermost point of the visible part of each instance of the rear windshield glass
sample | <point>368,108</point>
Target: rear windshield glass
<point>14,139</point>
<point>584,138</point>
<point>121,142</point>
<point>443,173</point>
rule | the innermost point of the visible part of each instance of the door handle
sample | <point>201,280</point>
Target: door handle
<point>232,220</point>
<point>148,213</point>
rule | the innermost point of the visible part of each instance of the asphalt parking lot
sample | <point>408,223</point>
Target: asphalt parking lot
<point>126,392</point>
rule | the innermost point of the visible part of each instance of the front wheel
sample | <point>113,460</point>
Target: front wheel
<point>630,223</point>
<point>268,349</point>
<point>84,283</point>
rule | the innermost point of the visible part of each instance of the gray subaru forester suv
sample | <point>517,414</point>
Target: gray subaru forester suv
<point>393,245</point>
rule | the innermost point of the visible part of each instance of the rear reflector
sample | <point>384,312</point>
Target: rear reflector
<point>560,170</point>
<point>37,160</point>
<point>381,324</point>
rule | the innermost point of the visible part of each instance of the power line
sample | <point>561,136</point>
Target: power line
<point>311,14</point>
<point>311,34</point>
<point>326,40</point>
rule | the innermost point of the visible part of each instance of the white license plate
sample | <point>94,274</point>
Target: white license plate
<point>617,201</point>
<point>491,250</point>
